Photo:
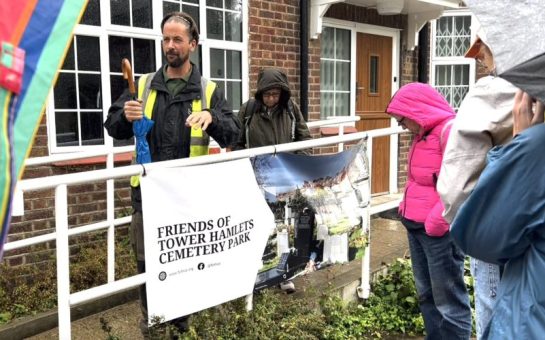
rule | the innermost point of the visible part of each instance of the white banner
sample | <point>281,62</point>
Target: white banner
<point>205,229</point>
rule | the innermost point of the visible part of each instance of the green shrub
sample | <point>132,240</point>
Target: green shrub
<point>30,289</point>
<point>392,308</point>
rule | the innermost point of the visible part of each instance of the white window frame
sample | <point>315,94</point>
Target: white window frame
<point>106,29</point>
<point>395,34</point>
<point>461,60</point>
<point>356,28</point>
<point>352,73</point>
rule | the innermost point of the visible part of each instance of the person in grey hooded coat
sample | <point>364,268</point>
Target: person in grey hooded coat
<point>272,117</point>
<point>483,121</point>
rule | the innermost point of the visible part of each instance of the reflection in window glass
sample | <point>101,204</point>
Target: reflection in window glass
<point>235,97</point>
<point>217,63</point>
<point>88,50</point>
<point>65,91</point>
<point>233,64</point>
<point>373,74</point>
<point>342,73</point>
<point>194,12</point>
<point>66,124</point>
<point>141,13</point>
<point>214,25</point>
<point>69,58</point>
<point>335,72</point>
<point>326,75</point>
<point>117,86</point>
<point>233,26</point>
<point>224,22</point>
<point>144,56</point>
<point>119,47</point>
<point>91,131</point>
<point>187,6</point>
<point>342,44</point>
<point>230,81</point>
<point>327,43</point>
<point>89,91</point>
<point>326,104</point>
<point>92,13</point>
<point>169,7</point>
<point>342,104</point>
<point>119,12</point>
<point>235,5</point>
<point>214,3</point>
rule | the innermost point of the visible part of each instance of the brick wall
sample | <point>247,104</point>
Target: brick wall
<point>274,29</point>
<point>86,204</point>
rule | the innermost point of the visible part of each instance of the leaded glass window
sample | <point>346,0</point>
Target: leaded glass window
<point>452,81</point>
<point>451,73</point>
<point>453,36</point>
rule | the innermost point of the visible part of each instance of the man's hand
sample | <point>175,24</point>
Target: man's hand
<point>199,120</point>
<point>526,112</point>
<point>133,110</point>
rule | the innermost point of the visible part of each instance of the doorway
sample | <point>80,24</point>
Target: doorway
<point>373,93</point>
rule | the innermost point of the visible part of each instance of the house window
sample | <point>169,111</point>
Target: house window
<point>90,79</point>
<point>452,82</point>
<point>452,74</point>
<point>335,72</point>
<point>225,70</point>
<point>78,104</point>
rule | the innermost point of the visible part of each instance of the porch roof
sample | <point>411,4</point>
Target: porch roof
<point>418,11</point>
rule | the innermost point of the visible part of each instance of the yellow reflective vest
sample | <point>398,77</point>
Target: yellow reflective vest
<point>199,139</point>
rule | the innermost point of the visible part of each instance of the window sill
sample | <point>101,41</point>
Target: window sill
<point>118,158</point>
<point>334,131</point>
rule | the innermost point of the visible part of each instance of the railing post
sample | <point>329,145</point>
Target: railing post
<point>370,158</point>
<point>365,288</point>
<point>249,302</point>
<point>341,133</point>
<point>63,261</point>
<point>110,216</point>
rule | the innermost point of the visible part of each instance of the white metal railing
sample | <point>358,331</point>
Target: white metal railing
<point>62,233</point>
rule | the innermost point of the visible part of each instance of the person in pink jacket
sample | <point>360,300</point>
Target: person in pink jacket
<point>438,264</point>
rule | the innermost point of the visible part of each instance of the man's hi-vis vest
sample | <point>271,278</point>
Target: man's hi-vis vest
<point>199,139</point>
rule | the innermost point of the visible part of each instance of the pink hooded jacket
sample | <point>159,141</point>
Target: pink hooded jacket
<point>425,106</point>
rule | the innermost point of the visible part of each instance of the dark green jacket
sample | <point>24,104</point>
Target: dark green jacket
<point>169,138</point>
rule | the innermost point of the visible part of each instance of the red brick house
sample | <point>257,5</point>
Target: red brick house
<point>343,58</point>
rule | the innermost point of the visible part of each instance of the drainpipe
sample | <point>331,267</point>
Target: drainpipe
<point>423,53</point>
<point>303,38</point>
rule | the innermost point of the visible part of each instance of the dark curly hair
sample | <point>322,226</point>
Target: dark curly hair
<point>185,19</point>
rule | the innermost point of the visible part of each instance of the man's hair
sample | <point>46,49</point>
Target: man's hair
<point>182,18</point>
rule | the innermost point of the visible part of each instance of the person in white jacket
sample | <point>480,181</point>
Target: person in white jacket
<point>484,120</point>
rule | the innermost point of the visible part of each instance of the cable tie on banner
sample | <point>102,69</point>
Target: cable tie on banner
<point>143,170</point>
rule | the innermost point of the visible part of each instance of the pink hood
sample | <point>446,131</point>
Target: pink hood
<point>421,103</point>
<point>424,105</point>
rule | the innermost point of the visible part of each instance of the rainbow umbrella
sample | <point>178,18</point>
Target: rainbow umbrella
<point>34,38</point>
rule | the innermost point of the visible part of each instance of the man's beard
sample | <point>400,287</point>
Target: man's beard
<point>178,61</point>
